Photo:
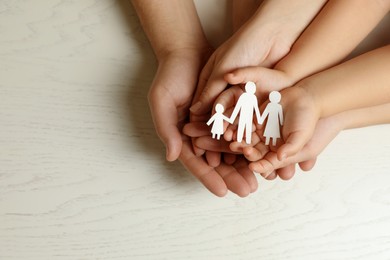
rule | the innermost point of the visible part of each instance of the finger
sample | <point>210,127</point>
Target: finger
<point>229,133</point>
<point>204,77</point>
<point>239,146</point>
<point>198,151</point>
<point>243,75</point>
<point>206,174</point>
<point>263,167</point>
<point>287,172</point>
<point>265,79</point>
<point>294,143</point>
<point>242,167</point>
<point>214,86</point>
<point>165,119</point>
<point>209,144</point>
<point>271,176</point>
<point>255,153</point>
<point>200,119</point>
<point>229,158</point>
<point>234,181</point>
<point>307,165</point>
<point>196,129</point>
<point>229,97</point>
<point>213,158</point>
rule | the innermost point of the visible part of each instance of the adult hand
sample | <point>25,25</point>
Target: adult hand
<point>262,41</point>
<point>171,94</point>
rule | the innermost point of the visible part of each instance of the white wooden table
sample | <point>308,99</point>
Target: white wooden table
<point>83,176</point>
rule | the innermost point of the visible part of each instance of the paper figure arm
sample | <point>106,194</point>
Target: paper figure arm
<point>211,119</point>
<point>235,111</point>
<point>264,115</point>
<point>257,112</point>
<point>226,119</point>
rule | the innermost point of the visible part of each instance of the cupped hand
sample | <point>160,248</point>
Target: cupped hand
<point>169,98</point>
<point>171,94</point>
<point>243,49</point>
<point>268,164</point>
<point>237,177</point>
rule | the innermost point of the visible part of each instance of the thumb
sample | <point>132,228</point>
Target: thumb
<point>294,143</point>
<point>265,79</point>
<point>165,118</point>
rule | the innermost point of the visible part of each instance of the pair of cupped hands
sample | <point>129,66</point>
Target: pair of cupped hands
<point>188,84</point>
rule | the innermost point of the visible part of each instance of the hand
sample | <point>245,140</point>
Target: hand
<point>171,93</point>
<point>241,50</point>
<point>268,164</point>
<point>169,97</point>
<point>262,41</point>
<point>237,177</point>
<point>301,116</point>
<point>266,80</point>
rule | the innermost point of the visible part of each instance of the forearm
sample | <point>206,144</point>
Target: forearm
<point>171,25</point>
<point>284,19</point>
<point>335,32</point>
<point>361,82</point>
<point>363,117</point>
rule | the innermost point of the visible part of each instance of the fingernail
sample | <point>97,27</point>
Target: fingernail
<point>284,156</point>
<point>267,174</point>
<point>196,107</point>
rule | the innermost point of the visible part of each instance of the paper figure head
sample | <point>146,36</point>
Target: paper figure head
<point>219,108</point>
<point>250,87</point>
<point>274,97</point>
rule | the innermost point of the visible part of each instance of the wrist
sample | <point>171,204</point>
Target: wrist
<point>310,93</point>
<point>191,52</point>
<point>302,98</point>
<point>286,20</point>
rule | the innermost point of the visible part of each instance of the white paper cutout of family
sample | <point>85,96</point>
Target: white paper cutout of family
<point>246,106</point>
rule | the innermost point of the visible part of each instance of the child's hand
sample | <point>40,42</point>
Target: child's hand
<point>270,166</point>
<point>301,115</point>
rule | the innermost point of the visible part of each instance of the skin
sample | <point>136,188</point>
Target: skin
<point>263,39</point>
<point>180,59</point>
<point>190,51</point>
<point>326,130</point>
<point>326,32</point>
<point>333,91</point>
<point>317,107</point>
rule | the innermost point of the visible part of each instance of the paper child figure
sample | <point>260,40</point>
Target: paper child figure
<point>217,118</point>
<point>275,113</point>
<point>246,104</point>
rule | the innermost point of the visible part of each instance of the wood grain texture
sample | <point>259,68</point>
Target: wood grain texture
<point>83,176</point>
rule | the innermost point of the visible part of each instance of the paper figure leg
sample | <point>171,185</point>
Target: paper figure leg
<point>274,141</point>
<point>213,135</point>
<point>248,133</point>
<point>240,131</point>
<point>218,136</point>
<point>267,140</point>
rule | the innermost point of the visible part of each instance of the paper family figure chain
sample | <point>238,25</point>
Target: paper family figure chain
<point>247,105</point>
